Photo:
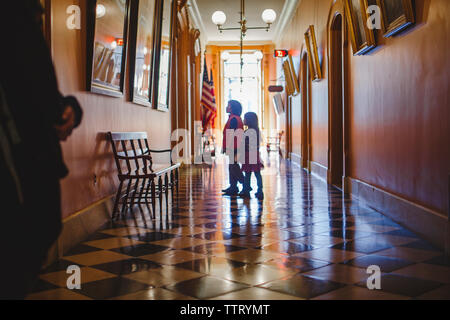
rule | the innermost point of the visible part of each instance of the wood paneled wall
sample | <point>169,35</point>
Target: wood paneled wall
<point>92,175</point>
<point>397,103</point>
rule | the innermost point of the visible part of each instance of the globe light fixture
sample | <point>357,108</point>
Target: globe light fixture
<point>225,56</point>
<point>269,16</point>
<point>258,55</point>
<point>100,11</point>
<point>219,18</point>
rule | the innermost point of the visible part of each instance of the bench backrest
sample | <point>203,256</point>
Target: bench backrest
<point>127,148</point>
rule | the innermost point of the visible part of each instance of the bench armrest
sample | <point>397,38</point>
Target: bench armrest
<point>144,156</point>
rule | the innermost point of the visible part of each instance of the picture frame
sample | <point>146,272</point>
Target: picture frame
<point>142,53</point>
<point>164,50</point>
<point>294,75</point>
<point>313,54</point>
<point>278,104</point>
<point>362,38</point>
<point>397,15</point>
<point>107,32</point>
<point>289,87</point>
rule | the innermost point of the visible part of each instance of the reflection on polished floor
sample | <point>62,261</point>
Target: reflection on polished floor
<point>306,240</point>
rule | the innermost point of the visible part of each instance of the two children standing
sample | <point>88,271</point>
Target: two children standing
<point>251,162</point>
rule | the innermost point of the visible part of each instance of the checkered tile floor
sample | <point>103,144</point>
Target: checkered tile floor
<point>304,241</point>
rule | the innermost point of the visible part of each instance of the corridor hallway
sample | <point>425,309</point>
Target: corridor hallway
<point>306,240</point>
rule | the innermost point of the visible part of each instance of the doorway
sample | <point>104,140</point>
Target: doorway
<point>248,89</point>
<point>336,102</point>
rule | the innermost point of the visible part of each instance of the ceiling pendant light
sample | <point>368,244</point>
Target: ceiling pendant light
<point>258,55</point>
<point>268,16</point>
<point>100,11</point>
<point>219,18</point>
<point>225,56</point>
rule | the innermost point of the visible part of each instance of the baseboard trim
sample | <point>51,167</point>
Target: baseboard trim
<point>430,225</point>
<point>295,158</point>
<point>319,171</point>
<point>79,227</point>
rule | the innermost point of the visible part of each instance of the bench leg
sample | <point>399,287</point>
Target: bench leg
<point>176,184</point>
<point>117,201</point>
<point>133,198</point>
<point>160,185</point>
<point>139,199</point>
<point>172,186</point>
<point>147,192</point>
<point>166,183</point>
<point>153,191</point>
<point>126,197</point>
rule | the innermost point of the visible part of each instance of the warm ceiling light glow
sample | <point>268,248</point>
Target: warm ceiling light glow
<point>225,55</point>
<point>219,18</point>
<point>258,55</point>
<point>269,16</point>
<point>101,11</point>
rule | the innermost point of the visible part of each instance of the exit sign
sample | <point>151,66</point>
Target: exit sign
<point>281,53</point>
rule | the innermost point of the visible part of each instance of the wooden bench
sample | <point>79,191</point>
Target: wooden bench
<point>141,181</point>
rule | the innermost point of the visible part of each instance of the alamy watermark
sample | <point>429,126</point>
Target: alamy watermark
<point>74,280</point>
<point>374,281</point>
<point>73,21</point>
<point>240,146</point>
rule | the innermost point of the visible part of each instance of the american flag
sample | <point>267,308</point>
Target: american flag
<point>209,109</point>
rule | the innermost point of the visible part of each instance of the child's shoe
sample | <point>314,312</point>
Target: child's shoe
<point>231,192</point>
<point>259,195</point>
<point>227,190</point>
<point>244,194</point>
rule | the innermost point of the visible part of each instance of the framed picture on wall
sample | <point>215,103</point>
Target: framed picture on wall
<point>278,103</point>
<point>142,62</point>
<point>396,15</point>
<point>294,75</point>
<point>313,53</point>
<point>106,45</point>
<point>167,9</point>
<point>289,87</point>
<point>362,38</point>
